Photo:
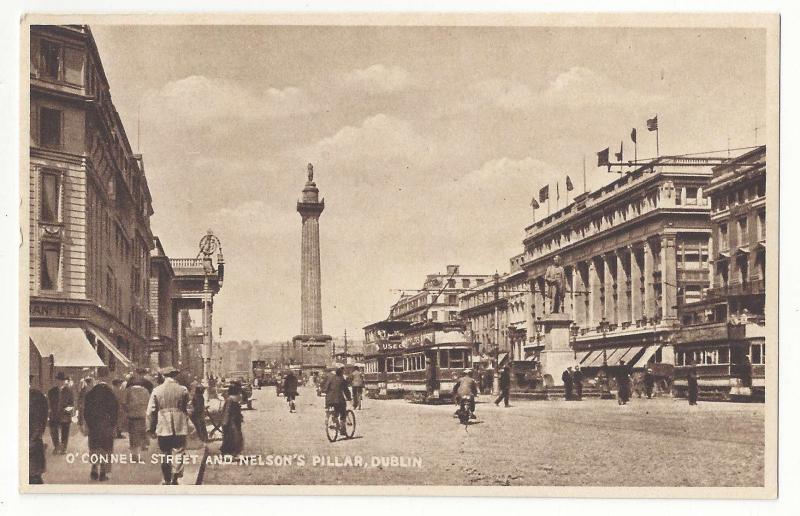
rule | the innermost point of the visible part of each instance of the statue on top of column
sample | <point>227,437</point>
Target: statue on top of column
<point>556,281</point>
<point>310,173</point>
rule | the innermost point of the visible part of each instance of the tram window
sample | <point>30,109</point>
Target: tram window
<point>757,354</point>
<point>443,362</point>
<point>456,358</point>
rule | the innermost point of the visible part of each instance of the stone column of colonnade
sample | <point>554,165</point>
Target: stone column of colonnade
<point>649,290</point>
<point>669,280</point>
<point>637,307</point>
<point>609,305</point>
<point>623,286</point>
<point>311,299</point>
<point>595,299</point>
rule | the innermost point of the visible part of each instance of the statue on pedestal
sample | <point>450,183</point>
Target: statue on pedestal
<point>556,281</point>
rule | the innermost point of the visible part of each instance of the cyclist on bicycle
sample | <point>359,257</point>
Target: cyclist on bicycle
<point>337,394</point>
<point>466,388</point>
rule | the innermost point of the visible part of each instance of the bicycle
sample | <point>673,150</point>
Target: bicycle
<point>332,424</point>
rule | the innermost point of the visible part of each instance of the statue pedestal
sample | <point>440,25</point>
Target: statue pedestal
<point>311,351</point>
<point>557,354</point>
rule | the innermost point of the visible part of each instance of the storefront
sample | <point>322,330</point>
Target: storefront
<point>77,338</point>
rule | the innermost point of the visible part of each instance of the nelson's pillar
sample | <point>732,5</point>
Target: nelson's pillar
<point>311,346</point>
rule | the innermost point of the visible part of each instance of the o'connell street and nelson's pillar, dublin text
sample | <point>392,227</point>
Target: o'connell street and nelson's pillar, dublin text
<point>310,208</point>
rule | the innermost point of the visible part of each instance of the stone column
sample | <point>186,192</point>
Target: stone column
<point>669,280</point>
<point>649,290</point>
<point>623,288</point>
<point>595,304</point>
<point>573,312</point>
<point>530,330</point>
<point>610,309</point>
<point>636,286</point>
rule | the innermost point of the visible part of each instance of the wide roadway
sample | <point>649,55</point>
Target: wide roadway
<point>658,442</point>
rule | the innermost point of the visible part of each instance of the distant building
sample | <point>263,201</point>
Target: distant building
<point>437,300</point>
<point>89,236</point>
<point>163,331</point>
<point>725,330</point>
<point>495,313</point>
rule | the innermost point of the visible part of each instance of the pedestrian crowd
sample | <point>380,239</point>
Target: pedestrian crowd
<point>147,406</point>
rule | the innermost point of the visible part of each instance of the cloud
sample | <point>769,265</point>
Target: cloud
<point>581,86</point>
<point>257,219</point>
<point>505,94</point>
<point>197,99</point>
<point>576,87</point>
<point>378,78</point>
<point>382,148</point>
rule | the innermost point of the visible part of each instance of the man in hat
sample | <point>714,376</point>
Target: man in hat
<point>168,419</point>
<point>505,386</point>
<point>337,394</point>
<point>101,411</point>
<point>566,378</point>
<point>466,388</point>
<point>623,384</point>
<point>136,399</point>
<point>577,382</point>
<point>649,383</point>
<point>37,423</point>
<point>61,402</point>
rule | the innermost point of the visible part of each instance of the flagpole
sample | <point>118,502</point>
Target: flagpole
<point>548,202</point>
<point>658,153</point>
<point>584,173</point>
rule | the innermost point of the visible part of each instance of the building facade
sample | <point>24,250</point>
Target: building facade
<point>89,236</point>
<point>633,252</point>
<point>437,300</point>
<point>723,336</point>
<point>495,313</point>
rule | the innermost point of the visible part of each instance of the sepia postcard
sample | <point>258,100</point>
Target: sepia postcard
<point>400,254</point>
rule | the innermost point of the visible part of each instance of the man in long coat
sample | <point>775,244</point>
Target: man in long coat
<point>37,423</point>
<point>566,377</point>
<point>61,404</point>
<point>168,419</point>
<point>101,411</point>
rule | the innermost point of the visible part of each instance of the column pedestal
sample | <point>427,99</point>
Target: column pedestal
<point>557,354</point>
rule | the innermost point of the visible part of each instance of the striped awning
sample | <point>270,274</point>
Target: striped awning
<point>612,356</point>
<point>68,346</point>
<point>648,353</point>
<point>109,344</point>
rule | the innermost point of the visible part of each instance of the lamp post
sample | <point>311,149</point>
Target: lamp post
<point>606,391</point>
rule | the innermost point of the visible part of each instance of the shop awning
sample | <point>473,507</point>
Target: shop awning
<point>648,353</point>
<point>612,356</point>
<point>109,344</point>
<point>590,357</point>
<point>69,346</point>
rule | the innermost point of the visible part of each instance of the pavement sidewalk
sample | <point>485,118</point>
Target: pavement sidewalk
<point>131,469</point>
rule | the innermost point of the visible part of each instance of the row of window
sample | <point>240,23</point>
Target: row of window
<point>739,197</point>
<point>717,356</point>
<point>448,358</point>
<point>741,236</point>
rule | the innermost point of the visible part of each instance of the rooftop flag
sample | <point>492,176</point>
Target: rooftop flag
<point>602,158</point>
<point>652,124</point>
<point>544,193</point>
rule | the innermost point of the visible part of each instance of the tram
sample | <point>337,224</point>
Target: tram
<point>433,360</point>
<point>420,361</point>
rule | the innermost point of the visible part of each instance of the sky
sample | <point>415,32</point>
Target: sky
<point>428,143</point>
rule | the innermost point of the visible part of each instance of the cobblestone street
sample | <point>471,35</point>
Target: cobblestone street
<point>659,442</point>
